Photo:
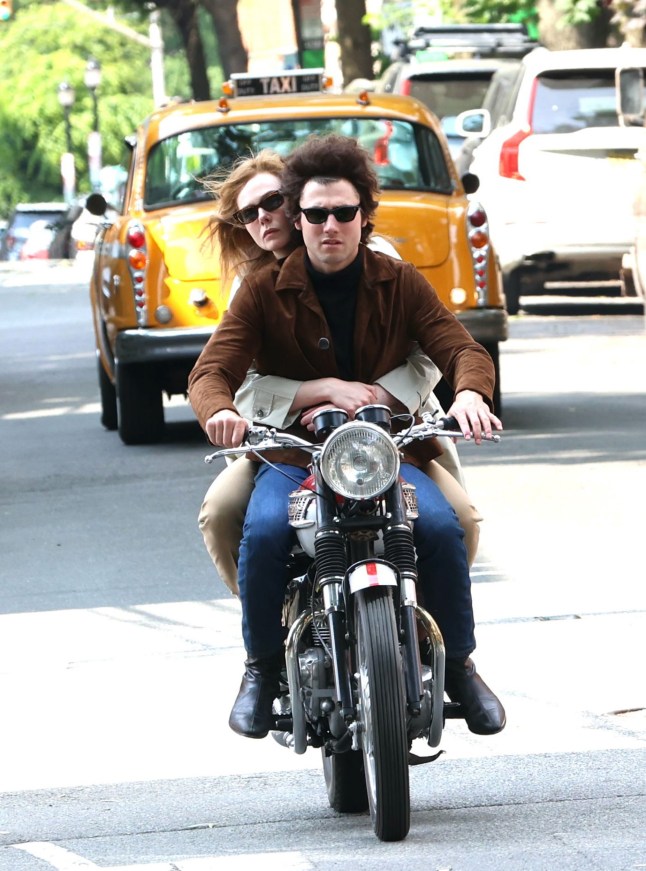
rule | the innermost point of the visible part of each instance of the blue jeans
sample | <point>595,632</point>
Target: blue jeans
<point>443,572</point>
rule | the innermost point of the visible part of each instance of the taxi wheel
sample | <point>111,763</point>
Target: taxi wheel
<point>108,394</point>
<point>494,352</point>
<point>512,293</point>
<point>140,405</point>
<point>444,392</point>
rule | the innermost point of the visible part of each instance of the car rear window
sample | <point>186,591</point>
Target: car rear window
<point>406,156</point>
<point>570,100</point>
<point>23,220</point>
<point>447,95</point>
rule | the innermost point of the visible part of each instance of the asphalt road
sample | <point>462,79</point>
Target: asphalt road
<point>120,652</point>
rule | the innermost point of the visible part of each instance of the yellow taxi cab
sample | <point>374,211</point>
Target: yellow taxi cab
<point>155,290</point>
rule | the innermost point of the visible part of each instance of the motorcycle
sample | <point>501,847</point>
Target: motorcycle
<point>364,672</point>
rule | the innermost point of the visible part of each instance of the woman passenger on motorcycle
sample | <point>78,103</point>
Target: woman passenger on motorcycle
<point>251,229</point>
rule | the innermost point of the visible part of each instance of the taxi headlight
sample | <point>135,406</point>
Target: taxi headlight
<point>359,461</point>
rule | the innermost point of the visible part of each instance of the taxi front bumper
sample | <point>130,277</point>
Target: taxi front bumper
<point>161,345</point>
<point>486,325</point>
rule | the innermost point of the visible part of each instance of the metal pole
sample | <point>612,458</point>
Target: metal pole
<point>92,83</point>
<point>95,104</point>
<point>68,128</point>
<point>298,24</point>
<point>157,58</point>
<point>68,170</point>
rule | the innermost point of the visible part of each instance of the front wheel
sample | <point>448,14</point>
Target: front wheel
<point>511,287</point>
<point>345,781</point>
<point>382,714</point>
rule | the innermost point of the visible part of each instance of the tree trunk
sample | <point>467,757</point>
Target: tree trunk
<point>233,54</point>
<point>184,14</point>
<point>354,40</point>
<point>555,35</point>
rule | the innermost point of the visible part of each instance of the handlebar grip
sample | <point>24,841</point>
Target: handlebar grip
<point>449,423</point>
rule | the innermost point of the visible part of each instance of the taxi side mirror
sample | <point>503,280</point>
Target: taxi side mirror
<point>470,182</point>
<point>629,83</point>
<point>96,204</point>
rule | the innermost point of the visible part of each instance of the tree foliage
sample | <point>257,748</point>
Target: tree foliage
<point>43,46</point>
<point>46,43</point>
<point>354,39</point>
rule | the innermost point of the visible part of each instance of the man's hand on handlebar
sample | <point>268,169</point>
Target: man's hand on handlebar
<point>474,416</point>
<point>226,428</point>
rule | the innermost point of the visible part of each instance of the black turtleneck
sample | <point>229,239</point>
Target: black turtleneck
<point>337,293</point>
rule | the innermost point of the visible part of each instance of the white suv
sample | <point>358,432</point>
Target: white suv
<point>557,171</point>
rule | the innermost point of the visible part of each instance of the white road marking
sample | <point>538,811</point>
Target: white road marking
<point>64,860</point>
<point>57,857</point>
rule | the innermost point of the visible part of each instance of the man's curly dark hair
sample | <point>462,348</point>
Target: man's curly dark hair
<point>326,159</point>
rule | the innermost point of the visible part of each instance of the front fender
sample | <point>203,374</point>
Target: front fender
<point>371,573</point>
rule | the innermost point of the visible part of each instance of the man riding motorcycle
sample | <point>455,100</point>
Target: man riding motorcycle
<point>336,309</point>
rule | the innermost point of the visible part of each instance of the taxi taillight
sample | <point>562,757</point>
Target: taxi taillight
<point>137,259</point>
<point>136,236</point>
<point>137,264</point>
<point>479,246</point>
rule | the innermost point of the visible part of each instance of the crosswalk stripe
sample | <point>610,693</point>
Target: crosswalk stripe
<point>64,860</point>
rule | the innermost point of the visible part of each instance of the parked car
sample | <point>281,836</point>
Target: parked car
<point>156,292</point>
<point>39,239</point>
<point>557,172</point>
<point>83,232</point>
<point>39,219</point>
<point>449,68</point>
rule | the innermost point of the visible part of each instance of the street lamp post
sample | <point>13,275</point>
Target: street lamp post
<point>92,82</point>
<point>66,97</point>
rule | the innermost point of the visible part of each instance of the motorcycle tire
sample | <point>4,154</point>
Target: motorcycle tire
<point>346,782</point>
<point>382,712</point>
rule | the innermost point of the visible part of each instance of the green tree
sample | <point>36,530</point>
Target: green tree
<point>224,18</point>
<point>208,32</point>
<point>354,39</point>
<point>630,18</point>
<point>185,14</point>
<point>42,46</point>
<point>557,23</point>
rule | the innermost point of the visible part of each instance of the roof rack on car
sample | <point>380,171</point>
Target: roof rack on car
<point>480,40</point>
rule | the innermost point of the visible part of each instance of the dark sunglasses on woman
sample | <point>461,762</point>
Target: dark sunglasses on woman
<point>269,203</point>
<point>319,215</point>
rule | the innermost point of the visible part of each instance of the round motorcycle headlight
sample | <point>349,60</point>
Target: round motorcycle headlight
<point>359,461</point>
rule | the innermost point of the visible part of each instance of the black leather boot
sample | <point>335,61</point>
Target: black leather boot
<point>252,714</point>
<point>483,712</point>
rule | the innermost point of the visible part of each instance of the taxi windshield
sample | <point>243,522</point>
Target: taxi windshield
<point>406,156</point>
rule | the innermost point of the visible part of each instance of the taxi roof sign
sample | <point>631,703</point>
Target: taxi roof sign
<point>287,82</point>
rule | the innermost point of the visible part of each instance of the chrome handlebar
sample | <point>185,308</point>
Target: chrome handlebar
<point>263,438</point>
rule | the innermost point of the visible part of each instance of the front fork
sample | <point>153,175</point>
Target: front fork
<point>331,567</point>
<point>399,550</point>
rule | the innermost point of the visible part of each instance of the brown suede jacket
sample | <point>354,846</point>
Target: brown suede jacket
<point>275,319</point>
